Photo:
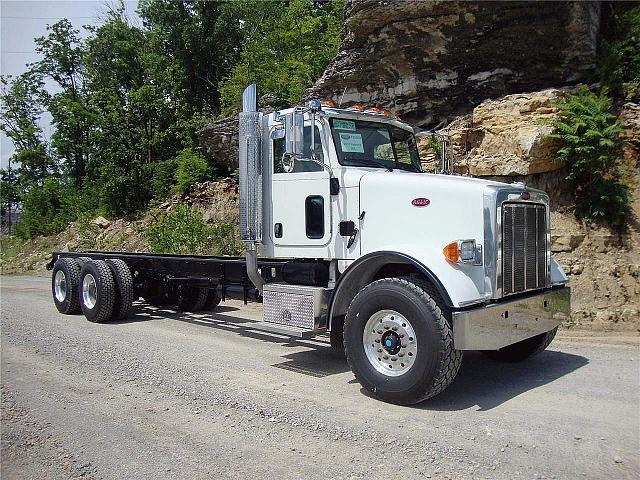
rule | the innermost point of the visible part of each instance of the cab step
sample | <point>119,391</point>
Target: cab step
<point>287,330</point>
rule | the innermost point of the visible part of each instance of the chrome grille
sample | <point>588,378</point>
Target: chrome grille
<point>524,247</point>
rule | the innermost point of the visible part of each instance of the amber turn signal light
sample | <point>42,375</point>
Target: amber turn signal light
<point>451,252</point>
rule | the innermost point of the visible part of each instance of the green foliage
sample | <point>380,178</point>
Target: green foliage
<point>192,168</point>
<point>286,47</point>
<point>619,59</point>
<point>20,110</point>
<point>591,147</point>
<point>183,231</point>
<point>435,145</point>
<point>47,209</point>
<point>62,53</point>
<point>194,45</point>
<point>126,101</point>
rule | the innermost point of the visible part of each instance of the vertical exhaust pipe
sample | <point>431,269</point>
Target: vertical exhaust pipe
<point>250,166</point>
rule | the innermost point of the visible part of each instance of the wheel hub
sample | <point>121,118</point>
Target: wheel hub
<point>389,342</point>
<point>89,291</point>
<point>60,286</point>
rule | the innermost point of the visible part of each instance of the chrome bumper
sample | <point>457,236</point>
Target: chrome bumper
<point>501,324</point>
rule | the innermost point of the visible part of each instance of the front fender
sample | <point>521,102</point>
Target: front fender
<point>362,272</point>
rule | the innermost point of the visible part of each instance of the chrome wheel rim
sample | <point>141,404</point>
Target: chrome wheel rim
<point>60,286</point>
<point>390,343</point>
<point>89,291</point>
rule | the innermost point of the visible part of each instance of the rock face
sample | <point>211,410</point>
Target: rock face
<point>429,60</point>
<point>220,142</point>
<point>504,137</point>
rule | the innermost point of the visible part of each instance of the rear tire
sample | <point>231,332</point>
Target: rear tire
<point>409,356</point>
<point>65,286</point>
<point>124,288</point>
<point>97,291</point>
<point>522,350</point>
<point>212,301</point>
<point>192,299</point>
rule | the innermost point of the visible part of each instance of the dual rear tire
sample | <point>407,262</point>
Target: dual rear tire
<point>102,290</point>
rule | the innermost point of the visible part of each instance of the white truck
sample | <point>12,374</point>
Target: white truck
<point>346,236</point>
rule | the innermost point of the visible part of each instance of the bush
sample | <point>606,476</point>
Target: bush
<point>183,231</point>
<point>48,208</point>
<point>192,168</point>
<point>162,176</point>
<point>591,147</point>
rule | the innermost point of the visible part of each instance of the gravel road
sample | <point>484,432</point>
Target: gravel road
<point>168,395</point>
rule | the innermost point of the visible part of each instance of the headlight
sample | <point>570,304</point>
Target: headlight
<point>463,251</point>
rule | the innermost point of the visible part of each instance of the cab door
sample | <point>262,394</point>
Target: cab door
<point>301,205</point>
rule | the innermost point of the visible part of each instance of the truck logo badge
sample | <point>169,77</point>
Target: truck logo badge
<point>286,315</point>
<point>420,202</point>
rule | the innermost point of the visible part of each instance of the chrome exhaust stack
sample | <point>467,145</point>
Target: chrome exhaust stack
<point>250,166</point>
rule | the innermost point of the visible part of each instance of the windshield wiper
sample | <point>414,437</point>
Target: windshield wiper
<point>368,163</point>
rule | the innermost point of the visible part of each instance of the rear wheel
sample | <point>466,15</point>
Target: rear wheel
<point>399,343</point>
<point>65,286</point>
<point>192,299</point>
<point>522,350</point>
<point>97,291</point>
<point>124,288</point>
<point>212,301</point>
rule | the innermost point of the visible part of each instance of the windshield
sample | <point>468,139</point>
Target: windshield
<point>374,144</point>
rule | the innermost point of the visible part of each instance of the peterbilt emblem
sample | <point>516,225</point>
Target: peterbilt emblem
<point>420,202</point>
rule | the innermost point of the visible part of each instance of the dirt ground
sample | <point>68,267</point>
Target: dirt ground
<point>170,395</point>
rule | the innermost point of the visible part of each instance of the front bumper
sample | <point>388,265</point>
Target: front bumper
<point>497,325</point>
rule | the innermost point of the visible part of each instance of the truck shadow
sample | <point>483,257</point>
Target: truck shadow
<point>223,318</point>
<point>487,383</point>
<point>481,382</point>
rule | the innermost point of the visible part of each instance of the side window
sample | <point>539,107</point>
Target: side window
<point>314,216</point>
<point>302,164</point>
<point>405,145</point>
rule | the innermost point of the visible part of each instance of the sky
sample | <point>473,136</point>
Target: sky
<point>22,21</point>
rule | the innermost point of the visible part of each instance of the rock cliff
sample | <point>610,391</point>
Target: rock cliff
<point>429,60</point>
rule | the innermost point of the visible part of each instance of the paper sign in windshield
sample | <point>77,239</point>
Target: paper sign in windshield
<point>344,124</point>
<point>351,143</point>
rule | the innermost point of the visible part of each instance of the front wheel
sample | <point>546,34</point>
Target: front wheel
<point>398,341</point>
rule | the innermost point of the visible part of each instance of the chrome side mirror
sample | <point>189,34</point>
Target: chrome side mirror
<point>294,134</point>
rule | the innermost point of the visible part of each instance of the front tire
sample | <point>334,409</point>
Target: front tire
<point>399,343</point>
<point>522,350</point>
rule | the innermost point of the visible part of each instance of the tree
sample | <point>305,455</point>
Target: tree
<point>286,47</point>
<point>9,195</point>
<point>196,45</point>
<point>62,53</point>
<point>20,111</point>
